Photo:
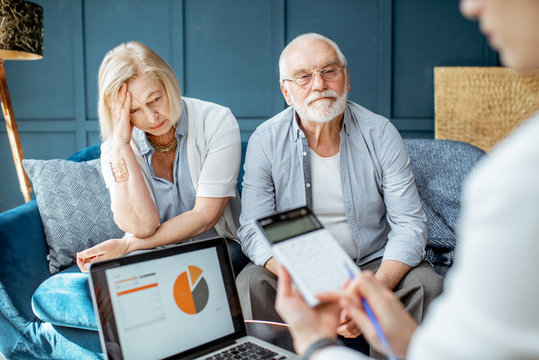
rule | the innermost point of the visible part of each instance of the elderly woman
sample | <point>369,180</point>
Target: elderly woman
<point>488,309</point>
<point>169,162</point>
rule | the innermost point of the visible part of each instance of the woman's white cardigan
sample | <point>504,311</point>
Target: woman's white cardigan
<point>210,127</point>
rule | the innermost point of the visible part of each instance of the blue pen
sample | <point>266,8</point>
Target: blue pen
<point>375,323</point>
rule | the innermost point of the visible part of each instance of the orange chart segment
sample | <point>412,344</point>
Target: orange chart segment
<point>195,273</point>
<point>191,297</point>
<point>183,295</point>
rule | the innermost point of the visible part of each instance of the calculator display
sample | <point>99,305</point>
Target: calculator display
<point>283,229</point>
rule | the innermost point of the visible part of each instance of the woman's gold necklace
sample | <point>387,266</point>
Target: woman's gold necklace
<point>171,146</point>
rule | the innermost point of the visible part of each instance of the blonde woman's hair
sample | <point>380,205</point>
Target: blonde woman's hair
<point>126,62</point>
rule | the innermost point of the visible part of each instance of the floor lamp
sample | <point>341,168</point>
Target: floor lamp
<point>21,38</point>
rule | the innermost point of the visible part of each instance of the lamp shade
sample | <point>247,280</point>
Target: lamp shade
<point>21,30</point>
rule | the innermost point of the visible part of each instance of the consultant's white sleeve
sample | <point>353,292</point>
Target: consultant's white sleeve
<point>489,306</point>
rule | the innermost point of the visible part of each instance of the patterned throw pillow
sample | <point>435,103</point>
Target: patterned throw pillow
<point>440,168</point>
<point>74,206</point>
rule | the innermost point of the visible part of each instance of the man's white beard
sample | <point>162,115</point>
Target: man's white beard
<point>322,110</point>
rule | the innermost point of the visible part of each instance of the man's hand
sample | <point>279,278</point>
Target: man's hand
<point>307,325</point>
<point>109,249</point>
<point>395,321</point>
<point>391,272</point>
<point>272,265</point>
<point>347,327</point>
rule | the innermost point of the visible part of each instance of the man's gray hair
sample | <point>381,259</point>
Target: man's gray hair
<point>283,61</point>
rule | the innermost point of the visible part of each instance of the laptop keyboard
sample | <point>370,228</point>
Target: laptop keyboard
<point>247,350</point>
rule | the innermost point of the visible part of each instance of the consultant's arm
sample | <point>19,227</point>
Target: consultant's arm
<point>492,284</point>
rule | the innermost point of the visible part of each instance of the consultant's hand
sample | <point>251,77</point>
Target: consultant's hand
<point>120,108</point>
<point>307,325</point>
<point>347,327</point>
<point>397,324</point>
<point>106,250</point>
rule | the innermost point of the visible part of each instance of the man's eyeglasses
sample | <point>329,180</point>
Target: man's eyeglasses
<point>327,73</point>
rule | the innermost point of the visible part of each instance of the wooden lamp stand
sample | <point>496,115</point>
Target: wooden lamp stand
<point>21,38</point>
<point>13,135</point>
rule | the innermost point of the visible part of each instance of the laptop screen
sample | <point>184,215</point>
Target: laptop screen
<point>166,302</point>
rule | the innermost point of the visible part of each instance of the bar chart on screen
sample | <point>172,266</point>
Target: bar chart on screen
<point>135,293</point>
<point>191,292</point>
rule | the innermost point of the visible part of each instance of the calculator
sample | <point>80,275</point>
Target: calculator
<point>312,256</point>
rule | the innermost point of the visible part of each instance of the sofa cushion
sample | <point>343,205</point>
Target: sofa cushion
<point>74,206</point>
<point>440,168</point>
<point>86,154</point>
<point>64,299</point>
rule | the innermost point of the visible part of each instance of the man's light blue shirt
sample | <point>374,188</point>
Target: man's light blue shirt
<point>381,202</point>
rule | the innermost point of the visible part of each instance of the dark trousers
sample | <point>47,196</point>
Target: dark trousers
<point>237,257</point>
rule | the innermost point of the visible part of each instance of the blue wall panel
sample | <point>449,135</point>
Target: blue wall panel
<point>93,137</point>
<point>37,145</point>
<point>353,25</point>
<point>427,34</point>
<point>231,56</point>
<point>110,23</point>
<point>227,52</point>
<point>42,89</point>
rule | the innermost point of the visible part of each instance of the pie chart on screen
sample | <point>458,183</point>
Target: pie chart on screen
<point>191,291</point>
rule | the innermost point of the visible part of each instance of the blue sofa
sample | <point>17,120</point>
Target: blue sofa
<point>24,267</point>
<point>440,167</point>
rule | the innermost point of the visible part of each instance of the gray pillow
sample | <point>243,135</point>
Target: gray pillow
<point>440,168</point>
<point>74,206</point>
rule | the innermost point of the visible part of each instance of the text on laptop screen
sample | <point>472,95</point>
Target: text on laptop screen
<point>170,304</point>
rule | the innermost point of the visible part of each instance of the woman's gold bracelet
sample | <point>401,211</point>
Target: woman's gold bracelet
<point>119,170</point>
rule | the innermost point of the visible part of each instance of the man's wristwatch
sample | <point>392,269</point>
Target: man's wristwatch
<point>320,344</point>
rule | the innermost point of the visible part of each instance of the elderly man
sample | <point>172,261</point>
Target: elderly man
<point>350,166</point>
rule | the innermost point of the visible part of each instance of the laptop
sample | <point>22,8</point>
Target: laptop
<point>178,302</point>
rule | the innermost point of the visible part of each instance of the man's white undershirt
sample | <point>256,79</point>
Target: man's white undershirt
<point>328,204</point>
